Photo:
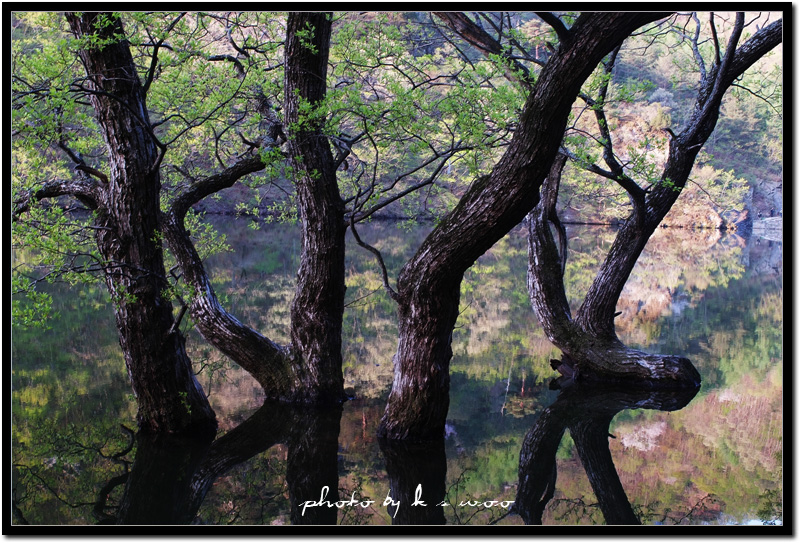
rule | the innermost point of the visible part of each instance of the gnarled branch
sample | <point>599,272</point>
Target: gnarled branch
<point>87,191</point>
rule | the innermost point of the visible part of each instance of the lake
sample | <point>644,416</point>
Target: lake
<point>711,458</point>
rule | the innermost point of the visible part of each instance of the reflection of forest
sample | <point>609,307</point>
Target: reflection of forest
<point>716,299</point>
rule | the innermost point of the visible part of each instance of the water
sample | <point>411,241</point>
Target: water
<point>714,458</point>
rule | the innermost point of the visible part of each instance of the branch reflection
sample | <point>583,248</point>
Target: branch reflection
<point>587,412</point>
<point>171,476</point>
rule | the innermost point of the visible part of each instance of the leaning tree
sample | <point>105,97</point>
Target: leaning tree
<point>589,342</point>
<point>124,201</point>
<point>428,287</point>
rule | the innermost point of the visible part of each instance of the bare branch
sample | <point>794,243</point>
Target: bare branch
<point>695,40</point>
<point>714,36</point>
<point>384,274</point>
<point>154,59</point>
<point>478,37</point>
<point>80,165</point>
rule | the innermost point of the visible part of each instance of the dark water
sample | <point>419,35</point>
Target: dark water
<point>578,457</point>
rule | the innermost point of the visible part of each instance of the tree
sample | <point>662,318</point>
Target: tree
<point>589,342</point>
<point>125,206</point>
<point>310,369</point>
<point>428,285</point>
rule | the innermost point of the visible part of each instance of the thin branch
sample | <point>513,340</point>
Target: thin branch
<point>696,49</point>
<point>154,59</point>
<point>478,37</point>
<point>714,36</point>
<point>80,165</point>
<point>765,99</point>
<point>425,182</point>
<point>384,274</point>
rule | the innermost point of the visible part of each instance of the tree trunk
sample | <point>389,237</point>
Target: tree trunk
<point>318,306</point>
<point>429,284</point>
<point>591,349</point>
<point>169,398</point>
<point>417,473</point>
<point>309,371</point>
<point>159,490</point>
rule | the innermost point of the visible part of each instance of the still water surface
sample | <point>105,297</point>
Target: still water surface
<point>576,457</point>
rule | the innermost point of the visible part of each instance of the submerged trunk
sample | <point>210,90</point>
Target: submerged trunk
<point>309,371</point>
<point>429,284</point>
<point>591,349</point>
<point>318,306</point>
<point>417,474</point>
<point>169,398</point>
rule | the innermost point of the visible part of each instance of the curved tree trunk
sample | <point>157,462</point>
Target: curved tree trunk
<point>429,284</point>
<point>266,361</point>
<point>169,398</point>
<point>309,371</point>
<point>592,349</point>
<point>592,352</point>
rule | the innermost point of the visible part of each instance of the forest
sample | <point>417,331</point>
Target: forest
<point>399,175</point>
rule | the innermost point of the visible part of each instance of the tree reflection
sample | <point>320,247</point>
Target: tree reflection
<point>417,474</point>
<point>171,476</point>
<point>587,412</point>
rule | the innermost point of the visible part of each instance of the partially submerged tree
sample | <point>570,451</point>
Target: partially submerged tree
<point>125,210</point>
<point>589,342</point>
<point>310,369</point>
<point>592,350</point>
<point>428,287</point>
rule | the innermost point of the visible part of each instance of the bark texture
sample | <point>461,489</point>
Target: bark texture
<point>429,284</point>
<point>169,398</point>
<point>318,307</point>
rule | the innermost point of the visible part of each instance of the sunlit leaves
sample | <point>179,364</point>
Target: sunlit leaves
<point>410,107</point>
